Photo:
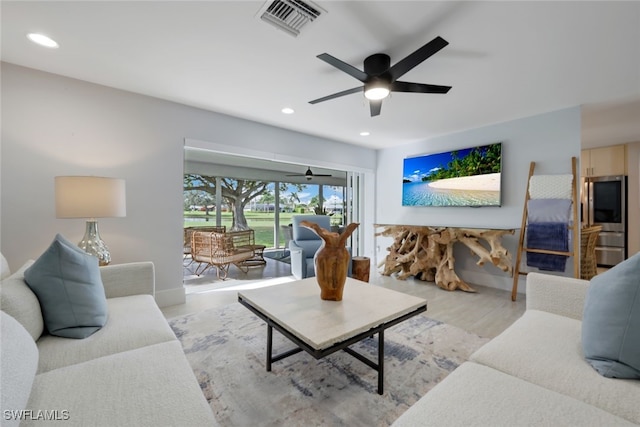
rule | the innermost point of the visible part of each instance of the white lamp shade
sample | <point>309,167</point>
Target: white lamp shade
<point>90,197</point>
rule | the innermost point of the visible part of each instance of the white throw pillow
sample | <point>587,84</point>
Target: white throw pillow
<point>18,362</point>
<point>19,301</point>
<point>4,268</point>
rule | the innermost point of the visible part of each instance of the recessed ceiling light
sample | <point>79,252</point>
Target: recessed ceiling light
<point>365,133</point>
<point>42,40</point>
<point>288,110</point>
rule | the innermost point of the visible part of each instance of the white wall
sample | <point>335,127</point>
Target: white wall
<point>549,139</point>
<point>52,125</point>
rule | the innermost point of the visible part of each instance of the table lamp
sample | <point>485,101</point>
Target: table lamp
<point>91,197</point>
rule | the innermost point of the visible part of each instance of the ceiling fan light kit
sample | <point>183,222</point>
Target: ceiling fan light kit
<point>376,92</point>
<point>380,78</point>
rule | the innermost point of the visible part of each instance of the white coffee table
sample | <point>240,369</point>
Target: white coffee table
<point>323,327</point>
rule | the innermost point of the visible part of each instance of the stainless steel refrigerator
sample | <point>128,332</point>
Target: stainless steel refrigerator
<point>604,202</point>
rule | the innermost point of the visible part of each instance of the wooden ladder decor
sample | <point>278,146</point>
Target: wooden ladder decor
<point>575,235</point>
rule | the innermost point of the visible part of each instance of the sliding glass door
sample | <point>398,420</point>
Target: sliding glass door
<point>354,203</point>
<point>265,207</point>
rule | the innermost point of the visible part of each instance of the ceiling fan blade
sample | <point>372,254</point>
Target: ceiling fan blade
<point>337,95</point>
<point>418,87</point>
<point>375,106</point>
<point>320,174</point>
<point>343,66</point>
<point>408,63</point>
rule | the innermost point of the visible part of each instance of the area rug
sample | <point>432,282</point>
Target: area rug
<point>226,348</point>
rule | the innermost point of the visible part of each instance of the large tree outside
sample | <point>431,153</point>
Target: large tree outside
<point>248,204</point>
<point>236,193</point>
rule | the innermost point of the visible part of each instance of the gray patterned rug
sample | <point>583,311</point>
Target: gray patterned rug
<point>227,349</point>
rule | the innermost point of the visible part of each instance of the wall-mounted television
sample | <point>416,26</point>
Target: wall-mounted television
<point>465,177</point>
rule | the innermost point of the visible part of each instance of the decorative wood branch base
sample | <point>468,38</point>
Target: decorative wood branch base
<point>427,252</point>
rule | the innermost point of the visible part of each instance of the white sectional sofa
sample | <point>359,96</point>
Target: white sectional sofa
<point>131,372</point>
<point>533,374</point>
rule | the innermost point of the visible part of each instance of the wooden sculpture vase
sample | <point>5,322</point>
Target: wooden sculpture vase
<point>331,260</point>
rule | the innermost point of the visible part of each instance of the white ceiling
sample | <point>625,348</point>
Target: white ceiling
<point>505,60</point>
<point>208,162</point>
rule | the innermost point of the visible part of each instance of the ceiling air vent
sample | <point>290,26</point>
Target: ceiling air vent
<point>289,15</point>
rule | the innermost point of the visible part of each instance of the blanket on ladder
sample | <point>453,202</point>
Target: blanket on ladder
<point>553,236</point>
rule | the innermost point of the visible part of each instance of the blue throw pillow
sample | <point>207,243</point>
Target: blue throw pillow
<point>68,285</point>
<point>611,321</point>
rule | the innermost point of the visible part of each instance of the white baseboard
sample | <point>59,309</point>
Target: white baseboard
<point>170,297</point>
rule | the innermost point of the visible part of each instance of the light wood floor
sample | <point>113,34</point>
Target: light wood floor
<point>486,313</point>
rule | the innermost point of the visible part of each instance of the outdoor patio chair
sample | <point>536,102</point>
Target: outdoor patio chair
<point>187,236</point>
<point>221,250</point>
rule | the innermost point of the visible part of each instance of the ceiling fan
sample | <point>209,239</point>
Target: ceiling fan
<point>309,175</point>
<point>380,78</point>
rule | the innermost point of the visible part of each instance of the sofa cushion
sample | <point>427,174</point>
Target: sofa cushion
<point>116,336</point>
<point>488,397</point>
<point>545,349</point>
<point>611,321</point>
<point>564,296</point>
<point>69,287</point>
<point>19,301</point>
<point>4,268</point>
<point>132,278</point>
<point>149,386</point>
<point>18,364</point>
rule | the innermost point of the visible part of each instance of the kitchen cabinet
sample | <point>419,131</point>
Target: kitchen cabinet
<point>603,161</point>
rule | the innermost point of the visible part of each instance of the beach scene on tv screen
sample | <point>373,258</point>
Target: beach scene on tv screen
<point>465,177</point>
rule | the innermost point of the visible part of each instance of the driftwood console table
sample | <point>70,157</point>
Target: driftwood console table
<point>427,252</point>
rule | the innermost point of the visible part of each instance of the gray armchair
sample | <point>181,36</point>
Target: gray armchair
<point>305,243</point>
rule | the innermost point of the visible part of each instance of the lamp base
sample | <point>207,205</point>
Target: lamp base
<point>93,244</point>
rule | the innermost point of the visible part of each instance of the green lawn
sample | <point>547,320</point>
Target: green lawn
<point>261,222</point>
